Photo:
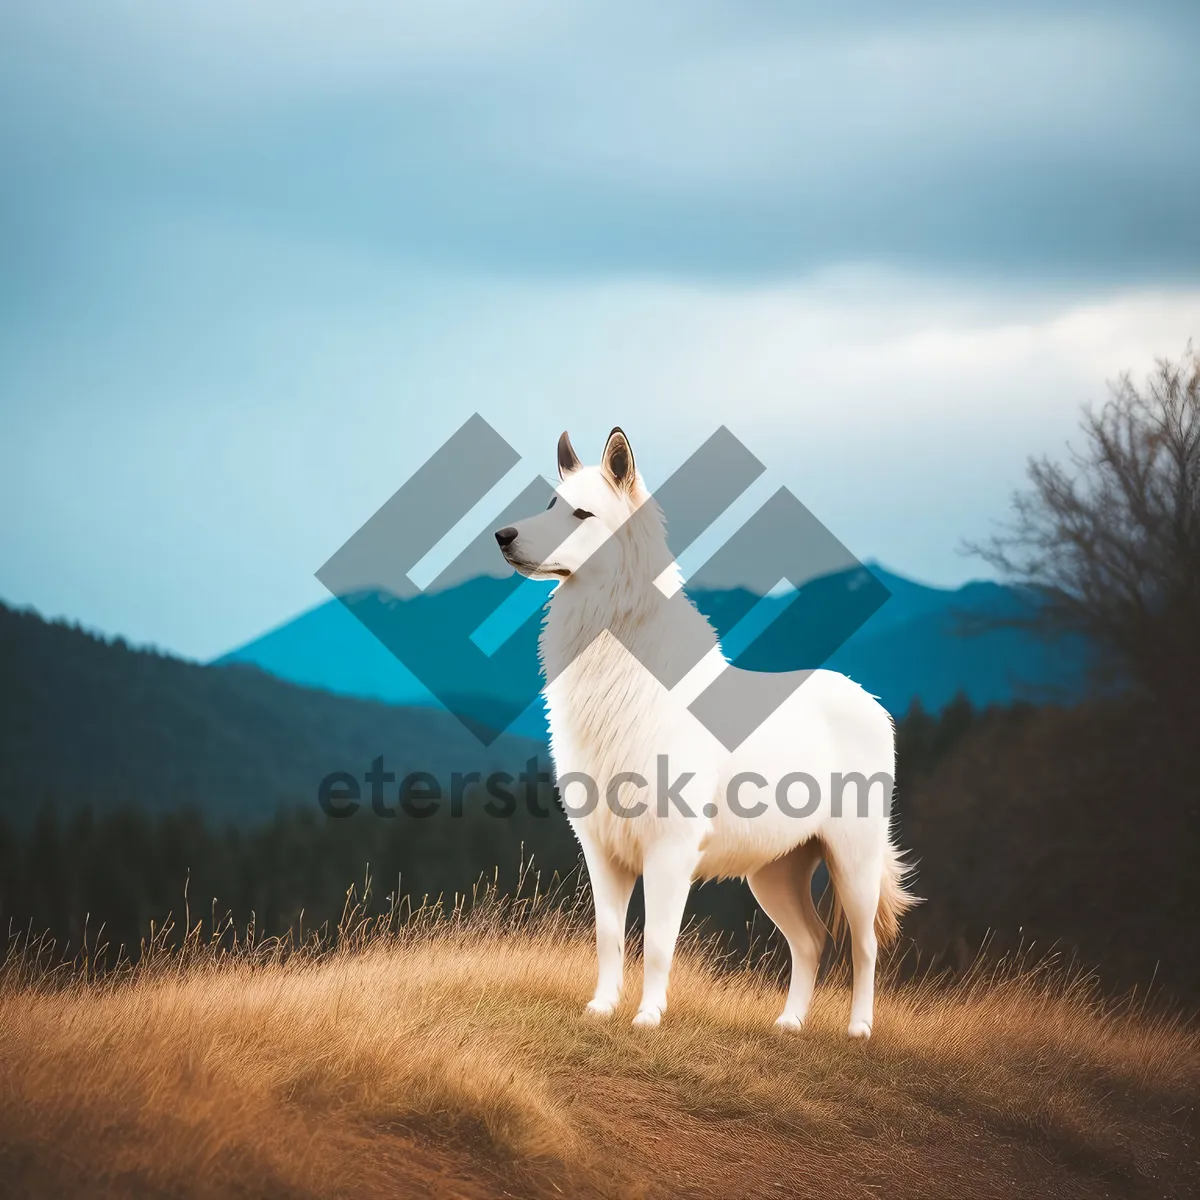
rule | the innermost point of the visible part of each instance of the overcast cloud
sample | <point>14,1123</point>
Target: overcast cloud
<point>256,261</point>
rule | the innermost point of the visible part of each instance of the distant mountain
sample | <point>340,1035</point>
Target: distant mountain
<point>916,645</point>
<point>85,720</point>
<point>929,651</point>
<point>331,647</point>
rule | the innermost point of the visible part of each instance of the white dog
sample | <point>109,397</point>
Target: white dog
<point>615,729</point>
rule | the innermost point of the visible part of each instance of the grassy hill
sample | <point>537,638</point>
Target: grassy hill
<point>448,1058</point>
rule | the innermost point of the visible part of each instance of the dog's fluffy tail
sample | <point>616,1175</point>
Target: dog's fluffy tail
<point>894,899</point>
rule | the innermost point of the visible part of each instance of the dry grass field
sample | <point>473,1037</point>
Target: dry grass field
<point>448,1056</point>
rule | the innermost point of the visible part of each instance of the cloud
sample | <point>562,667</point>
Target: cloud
<point>703,140</point>
<point>193,418</point>
<point>256,261</point>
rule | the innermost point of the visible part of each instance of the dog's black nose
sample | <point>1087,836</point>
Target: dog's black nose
<point>506,536</point>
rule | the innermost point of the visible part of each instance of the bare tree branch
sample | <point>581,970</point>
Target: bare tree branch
<point>1110,541</point>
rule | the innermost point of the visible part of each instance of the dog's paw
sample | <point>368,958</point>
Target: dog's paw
<point>859,1029</point>
<point>789,1022</point>
<point>600,1008</point>
<point>648,1018</point>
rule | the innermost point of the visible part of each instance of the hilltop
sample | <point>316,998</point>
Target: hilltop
<point>450,1058</point>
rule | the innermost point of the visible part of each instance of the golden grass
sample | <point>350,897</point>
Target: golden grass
<point>448,1056</point>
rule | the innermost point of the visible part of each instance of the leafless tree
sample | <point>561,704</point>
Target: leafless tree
<point>1110,540</point>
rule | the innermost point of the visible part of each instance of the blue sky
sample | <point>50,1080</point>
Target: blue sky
<point>256,262</point>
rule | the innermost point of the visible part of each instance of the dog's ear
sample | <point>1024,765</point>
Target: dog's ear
<point>568,460</point>
<point>617,463</point>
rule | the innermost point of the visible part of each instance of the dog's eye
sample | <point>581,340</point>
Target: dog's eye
<point>551,504</point>
<point>582,514</point>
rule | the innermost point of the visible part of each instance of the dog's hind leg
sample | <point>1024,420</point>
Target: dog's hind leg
<point>857,886</point>
<point>612,885</point>
<point>783,889</point>
<point>666,878</point>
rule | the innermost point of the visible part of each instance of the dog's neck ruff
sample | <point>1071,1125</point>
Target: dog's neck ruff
<point>663,637</point>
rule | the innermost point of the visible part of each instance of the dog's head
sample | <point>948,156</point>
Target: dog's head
<point>589,505</point>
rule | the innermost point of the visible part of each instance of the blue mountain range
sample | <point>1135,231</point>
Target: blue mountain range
<point>921,643</point>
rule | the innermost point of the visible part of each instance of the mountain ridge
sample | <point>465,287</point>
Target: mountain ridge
<point>86,720</point>
<point>915,647</point>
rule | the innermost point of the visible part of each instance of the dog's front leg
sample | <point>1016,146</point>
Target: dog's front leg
<point>667,878</point>
<point>612,885</point>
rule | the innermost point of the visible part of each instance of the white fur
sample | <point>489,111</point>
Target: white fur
<point>609,714</point>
